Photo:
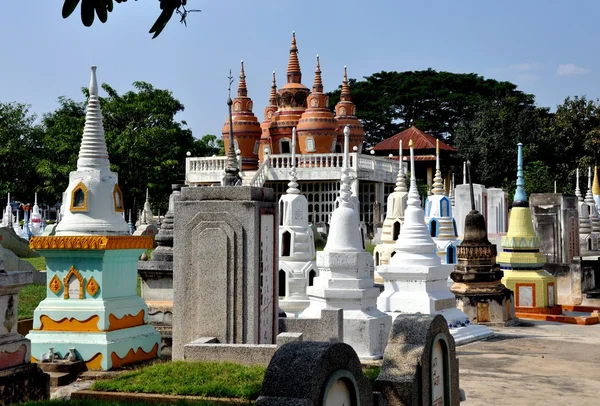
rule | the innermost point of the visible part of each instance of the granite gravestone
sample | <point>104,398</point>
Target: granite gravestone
<point>224,266</point>
<point>20,380</point>
<point>315,373</point>
<point>419,364</point>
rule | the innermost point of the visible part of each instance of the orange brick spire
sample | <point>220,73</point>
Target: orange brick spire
<point>242,89</point>
<point>294,74</point>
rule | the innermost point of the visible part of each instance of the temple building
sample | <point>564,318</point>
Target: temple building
<point>438,217</point>
<point>265,147</point>
<point>477,277</point>
<point>521,259</point>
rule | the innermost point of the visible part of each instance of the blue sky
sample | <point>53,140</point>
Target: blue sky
<point>548,48</point>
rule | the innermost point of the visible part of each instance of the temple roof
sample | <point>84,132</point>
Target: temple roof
<point>421,141</point>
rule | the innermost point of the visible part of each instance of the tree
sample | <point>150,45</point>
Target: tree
<point>436,102</point>
<point>20,141</point>
<point>102,7</point>
<point>489,139</point>
<point>208,145</point>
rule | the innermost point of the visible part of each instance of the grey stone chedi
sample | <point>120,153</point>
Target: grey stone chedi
<point>224,266</point>
<point>157,273</point>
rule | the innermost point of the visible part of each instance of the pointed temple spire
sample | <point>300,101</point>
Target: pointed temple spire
<point>242,89</point>
<point>345,95</point>
<point>294,74</point>
<point>318,83</point>
<point>438,186</point>
<point>414,200</point>
<point>452,198</point>
<point>293,184</point>
<point>464,172</point>
<point>93,153</point>
<point>596,183</point>
<point>401,180</point>
<point>520,195</point>
<point>273,95</point>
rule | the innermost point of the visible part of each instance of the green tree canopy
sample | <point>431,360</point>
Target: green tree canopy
<point>20,146</point>
<point>435,102</point>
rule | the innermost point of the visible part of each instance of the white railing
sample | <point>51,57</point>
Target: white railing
<point>310,167</point>
<point>260,177</point>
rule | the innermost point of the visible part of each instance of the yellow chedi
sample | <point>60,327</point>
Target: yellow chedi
<point>521,259</point>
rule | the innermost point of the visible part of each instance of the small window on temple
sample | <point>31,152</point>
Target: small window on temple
<point>256,146</point>
<point>285,147</point>
<point>79,198</point>
<point>310,144</point>
<point>338,148</point>
<point>118,199</point>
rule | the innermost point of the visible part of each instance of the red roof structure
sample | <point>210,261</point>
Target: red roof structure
<point>421,141</point>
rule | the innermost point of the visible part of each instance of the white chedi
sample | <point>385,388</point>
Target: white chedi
<point>146,216</point>
<point>439,219</point>
<point>7,218</point>
<point>346,278</point>
<point>93,202</point>
<point>36,218</point>
<point>415,281</point>
<point>589,200</point>
<point>297,267</point>
<point>587,239</point>
<point>396,204</point>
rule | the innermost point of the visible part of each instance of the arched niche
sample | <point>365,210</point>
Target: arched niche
<point>79,198</point>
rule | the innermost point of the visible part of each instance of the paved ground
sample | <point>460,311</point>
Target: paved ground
<point>542,364</point>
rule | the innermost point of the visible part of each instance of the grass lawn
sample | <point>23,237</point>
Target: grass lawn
<point>211,379</point>
<point>29,298</point>
<point>38,262</point>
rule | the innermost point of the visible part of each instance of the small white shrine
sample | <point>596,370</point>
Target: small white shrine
<point>297,267</point>
<point>439,219</point>
<point>587,240</point>
<point>415,281</point>
<point>35,218</point>
<point>396,204</point>
<point>346,277</point>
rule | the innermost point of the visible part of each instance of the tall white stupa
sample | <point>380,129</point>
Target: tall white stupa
<point>7,219</point>
<point>438,217</point>
<point>586,238</point>
<point>297,267</point>
<point>346,277</point>
<point>35,218</point>
<point>415,281</point>
<point>396,204</point>
<point>589,200</point>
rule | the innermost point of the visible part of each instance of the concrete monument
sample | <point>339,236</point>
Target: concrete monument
<point>346,277</point>
<point>92,308</point>
<point>297,267</point>
<point>416,281</point>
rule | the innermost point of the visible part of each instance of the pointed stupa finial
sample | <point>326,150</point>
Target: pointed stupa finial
<point>35,199</point>
<point>577,190</point>
<point>294,74</point>
<point>471,186</point>
<point>589,178</point>
<point>414,199</point>
<point>401,180</point>
<point>345,94</point>
<point>452,198</point>
<point>589,197</point>
<point>318,83</point>
<point>273,95</point>
<point>345,188</point>
<point>92,152</point>
<point>520,195</point>
<point>242,88</point>
<point>438,186</point>
<point>293,183</point>
<point>464,172</point>
<point>596,182</point>
<point>475,231</point>
<point>147,195</point>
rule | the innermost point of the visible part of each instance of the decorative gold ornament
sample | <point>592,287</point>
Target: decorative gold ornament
<point>92,287</point>
<point>91,242</point>
<point>55,285</point>
<point>79,198</point>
